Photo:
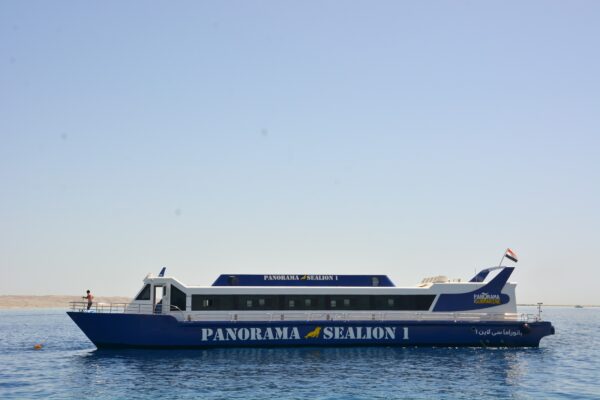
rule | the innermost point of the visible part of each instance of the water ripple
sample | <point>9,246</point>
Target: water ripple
<point>68,366</point>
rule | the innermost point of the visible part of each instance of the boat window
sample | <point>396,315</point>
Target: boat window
<point>144,294</point>
<point>351,302</point>
<point>418,302</point>
<point>375,281</point>
<point>217,302</point>
<point>305,302</point>
<point>200,302</point>
<point>233,280</point>
<point>256,302</point>
<point>313,302</point>
<point>177,299</point>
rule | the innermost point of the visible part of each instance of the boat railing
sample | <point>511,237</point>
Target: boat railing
<point>129,308</point>
<point>112,308</point>
<point>355,316</point>
<point>116,308</point>
<point>530,317</point>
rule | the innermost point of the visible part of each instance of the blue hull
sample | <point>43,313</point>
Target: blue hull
<point>164,331</point>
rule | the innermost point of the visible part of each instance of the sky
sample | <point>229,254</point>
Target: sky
<point>407,138</point>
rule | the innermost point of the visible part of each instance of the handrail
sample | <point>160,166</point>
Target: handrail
<point>112,308</point>
<point>272,316</point>
<point>175,308</point>
<point>346,316</point>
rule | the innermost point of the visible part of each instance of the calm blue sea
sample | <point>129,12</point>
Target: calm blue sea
<point>567,365</point>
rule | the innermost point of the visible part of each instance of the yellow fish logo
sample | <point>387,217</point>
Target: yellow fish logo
<point>304,277</point>
<point>313,334</point>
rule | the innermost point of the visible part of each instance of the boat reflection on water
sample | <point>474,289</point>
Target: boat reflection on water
<point>308,370</point>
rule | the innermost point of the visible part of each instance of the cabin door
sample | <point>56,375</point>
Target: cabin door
<point>160,299</point>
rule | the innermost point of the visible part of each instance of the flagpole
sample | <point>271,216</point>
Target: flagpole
<point>502,259</point>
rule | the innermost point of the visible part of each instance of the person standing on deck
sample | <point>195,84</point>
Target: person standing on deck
<point>89,298</point>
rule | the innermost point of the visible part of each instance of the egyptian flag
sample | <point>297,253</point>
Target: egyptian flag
<point>511,255</point>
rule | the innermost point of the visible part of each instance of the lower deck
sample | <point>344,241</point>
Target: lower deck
<point>286,315</point>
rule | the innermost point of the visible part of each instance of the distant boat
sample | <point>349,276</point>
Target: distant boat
<point>578,306</point>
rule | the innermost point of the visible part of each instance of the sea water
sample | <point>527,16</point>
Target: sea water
<point>566,365</point>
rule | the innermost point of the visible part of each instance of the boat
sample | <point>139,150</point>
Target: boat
<point>315,310</point>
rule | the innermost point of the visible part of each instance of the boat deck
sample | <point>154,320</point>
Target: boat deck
<point>272,316</point>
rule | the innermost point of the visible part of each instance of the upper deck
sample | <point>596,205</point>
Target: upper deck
<point>282,297</point>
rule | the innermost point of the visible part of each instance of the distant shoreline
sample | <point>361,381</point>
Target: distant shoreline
<point>9,302</point>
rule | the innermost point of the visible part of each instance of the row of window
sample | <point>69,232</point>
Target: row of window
<point>202,302</point>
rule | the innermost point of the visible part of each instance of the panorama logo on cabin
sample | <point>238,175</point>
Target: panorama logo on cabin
<point>486,298</point>
<point>300,277</point>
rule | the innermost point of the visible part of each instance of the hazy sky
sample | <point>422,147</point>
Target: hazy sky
<point>403,138</point>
